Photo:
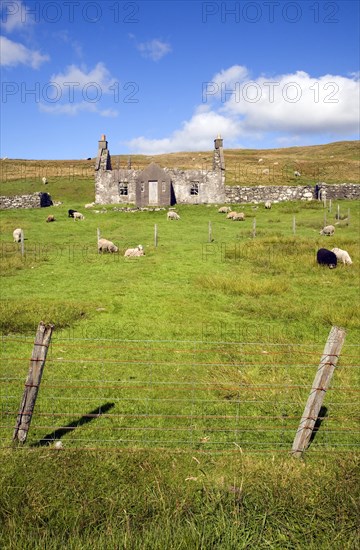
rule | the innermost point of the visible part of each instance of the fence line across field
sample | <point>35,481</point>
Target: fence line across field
<point>103,392</point>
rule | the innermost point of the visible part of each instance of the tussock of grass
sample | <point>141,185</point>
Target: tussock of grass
<point>237,286</point>
<point>24,316</point>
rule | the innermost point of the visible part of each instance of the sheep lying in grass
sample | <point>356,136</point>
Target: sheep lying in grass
<point>268,204</point>
<point>17,235</point>
<point>78,216</point>
<point>135,252</point>
<point>231,215</point>
<point>326,257</point>
<point>50,218</point>
<point>239,217</point>
<point>106,246</point>
<point>342,255</point>
<point>224,209</point>
<point>173,215</point>
<point>89,205</point>
<point>328,230</point>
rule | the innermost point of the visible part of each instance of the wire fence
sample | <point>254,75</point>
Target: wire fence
<point>181,395</point>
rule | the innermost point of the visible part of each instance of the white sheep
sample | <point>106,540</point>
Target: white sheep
<point>268,204</point>
<point>135,252</point>
<point>78,216</point>
<point>342,255</point>
<point>89,205</point>
<point>239,217</point>
<point>224,209</point>
<point>17,235</point>
<point>231,215</point>
<point>44,180</point>
<point>328,230</point>
<point>261,160</point>
<point>106,246</point>
<point>297,174</point>
<point>173,215</point>
<point>266,171</point>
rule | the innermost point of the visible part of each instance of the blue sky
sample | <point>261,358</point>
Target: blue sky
<point>169,76</point>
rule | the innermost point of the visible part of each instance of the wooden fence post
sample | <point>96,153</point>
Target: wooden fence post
<point>156,235</point>
<point>210,233</point>
<point>254,228</point>
<point>294,225</point>
<point>321,382</point>
<point>98,238</point>
<point>338,212</point>
<point>330,205</point>
<point>32,384</point>
<point>22,243</point>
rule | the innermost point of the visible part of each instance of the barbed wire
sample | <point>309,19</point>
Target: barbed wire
<point>209,399</point>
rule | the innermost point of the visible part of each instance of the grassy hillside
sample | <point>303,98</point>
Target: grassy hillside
<point>156,479</point>
<point>332,163</point>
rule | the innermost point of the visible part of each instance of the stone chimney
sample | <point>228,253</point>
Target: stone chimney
<point>218,158</point>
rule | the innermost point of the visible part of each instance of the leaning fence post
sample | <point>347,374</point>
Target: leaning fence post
<point>321,382</point>
<point>32,384</point>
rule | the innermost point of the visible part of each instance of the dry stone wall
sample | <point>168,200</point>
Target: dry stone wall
<point>281,193</point>
<point>35,200</point>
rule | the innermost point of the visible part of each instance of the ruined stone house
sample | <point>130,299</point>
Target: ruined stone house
<point>156,186</point>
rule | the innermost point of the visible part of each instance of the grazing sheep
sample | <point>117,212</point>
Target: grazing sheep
<point>240,217</point>
<point>78,216</point>
<point>106,246</point>
<point>328,230</point>
<point>267,204</point>
<point>231,215</point>
<point>326,257</point>
<point>89,205</point>
<point>266,171</point>
<point>342,255</point>
<point>224,209</point>
<point>17,235</point>
<point>173,215</point>
<point>135,252</point>
<point>71,213</point>
<point>297,174</point>
<point>44,180</point>
<point>261,160</point>
<point>50,218</point>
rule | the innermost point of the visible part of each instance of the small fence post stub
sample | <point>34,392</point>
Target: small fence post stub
<point>32,384</point>
<point>321,383</point>
<point>98,239</point>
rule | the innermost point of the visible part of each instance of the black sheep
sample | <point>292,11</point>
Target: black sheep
<point>326,257</point>
<point>71,213</point>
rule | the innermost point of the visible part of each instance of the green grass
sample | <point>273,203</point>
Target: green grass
<point>183,393</point>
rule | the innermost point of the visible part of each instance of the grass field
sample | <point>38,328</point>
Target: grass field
<point>189,304</point>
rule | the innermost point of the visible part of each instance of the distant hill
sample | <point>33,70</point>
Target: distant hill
<point>337,162</point>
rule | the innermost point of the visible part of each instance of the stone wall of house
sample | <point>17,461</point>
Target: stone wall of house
<point>211,185</point>
<point>280,193</point>
<point>35,200</point>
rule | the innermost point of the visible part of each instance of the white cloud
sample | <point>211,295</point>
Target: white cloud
<point>15,15</point>
<point>81,78</point>
<point>14,53</point>
<point>292,106</point>
<point>155,49</point>
<point>78,89</point>
<point>74,109</point>
<point>195,134</point>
